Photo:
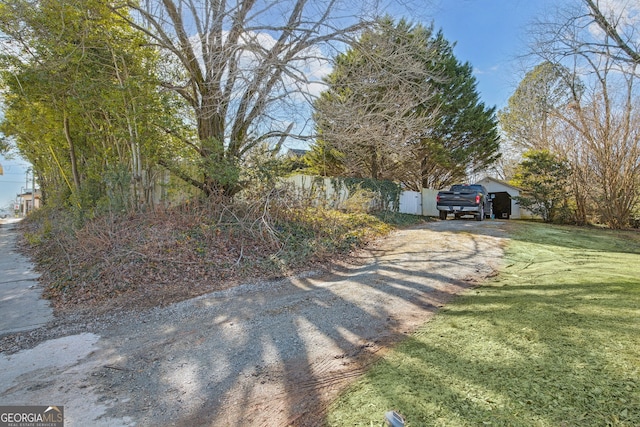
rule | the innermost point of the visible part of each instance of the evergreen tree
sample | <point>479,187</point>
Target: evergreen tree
<point>400,106</point>
<point>464,138</point>
<point>545,179</point>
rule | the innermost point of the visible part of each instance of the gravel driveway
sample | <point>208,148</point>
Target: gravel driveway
<point>261,354</point>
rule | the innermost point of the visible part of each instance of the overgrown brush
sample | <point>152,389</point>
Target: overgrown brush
<point>168,254</point>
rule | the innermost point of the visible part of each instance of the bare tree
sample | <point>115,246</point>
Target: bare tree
<point>607,149</point>
<point>371,111</point>
<point>601,136</point>
<point>400,106</point>
<point>528,120</point>
<point>242,67</point>
<point>622,41</point>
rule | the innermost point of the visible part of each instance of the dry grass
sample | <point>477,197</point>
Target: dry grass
<point>155,258</point>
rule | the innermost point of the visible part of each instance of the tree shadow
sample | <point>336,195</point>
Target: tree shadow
<point>276,353</point>
<point>538,367</point>
<point>589,238</point>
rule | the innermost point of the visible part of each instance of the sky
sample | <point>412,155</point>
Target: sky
<point>12,181</point>
<point>489,34</point>
<point>492,36</point>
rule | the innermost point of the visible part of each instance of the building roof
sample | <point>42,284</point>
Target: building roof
<point>501,182</point>
<point>28,192</point>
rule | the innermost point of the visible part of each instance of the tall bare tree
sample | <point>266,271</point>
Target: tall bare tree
<point>601,136</point>
<point>622,36</point>
<point>528,120</point>
<point>242,67</point>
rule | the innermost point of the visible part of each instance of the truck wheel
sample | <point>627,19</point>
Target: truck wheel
<point>443,215</point>
<point>480,215</point>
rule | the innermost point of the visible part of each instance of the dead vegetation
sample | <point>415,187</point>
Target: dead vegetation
<point>151,258</point>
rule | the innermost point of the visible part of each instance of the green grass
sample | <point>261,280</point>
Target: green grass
<point>553,340</point>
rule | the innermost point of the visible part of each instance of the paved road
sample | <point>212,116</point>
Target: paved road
<point>21,305</point>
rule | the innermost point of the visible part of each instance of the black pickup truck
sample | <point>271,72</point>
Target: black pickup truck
<point>463,200</point>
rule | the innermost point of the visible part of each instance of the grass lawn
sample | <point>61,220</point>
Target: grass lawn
<point>553,340</point>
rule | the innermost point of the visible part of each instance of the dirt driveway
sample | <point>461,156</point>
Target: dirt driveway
<point>262,354</point>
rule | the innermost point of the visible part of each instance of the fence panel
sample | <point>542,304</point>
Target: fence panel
<point>429,207</point>
<point>410,203</point>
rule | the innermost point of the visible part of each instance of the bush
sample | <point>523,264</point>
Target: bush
<point>194,248</point>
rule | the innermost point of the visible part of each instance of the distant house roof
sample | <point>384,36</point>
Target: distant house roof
<point>28,192</point>
<point>296,152</point>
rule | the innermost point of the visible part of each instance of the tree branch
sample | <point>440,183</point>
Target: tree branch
<point>612,32</point>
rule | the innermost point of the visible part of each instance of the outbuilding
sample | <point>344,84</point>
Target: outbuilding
<point>503,195</point>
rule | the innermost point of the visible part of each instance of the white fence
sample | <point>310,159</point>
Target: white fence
<point>411,203</point>
<point>336,194</point>
<point>323,189</point>
<point>419,203</point>
<point>429,202</point>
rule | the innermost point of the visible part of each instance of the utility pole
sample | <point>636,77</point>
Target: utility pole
<point>26,188</point>
<point>33,188</point>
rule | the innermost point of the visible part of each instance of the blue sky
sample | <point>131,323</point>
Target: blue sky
<point>490,34</point>
<point>13,180</point>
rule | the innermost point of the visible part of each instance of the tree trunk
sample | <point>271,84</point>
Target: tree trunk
<point>211,137</point>
<point>72,153</point>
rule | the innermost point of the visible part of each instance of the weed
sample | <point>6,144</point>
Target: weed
<point>187,250</point>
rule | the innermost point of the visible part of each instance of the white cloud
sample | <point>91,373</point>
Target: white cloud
<point>625,14</point>
<point>307,70</point>
<point>490,70</point>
